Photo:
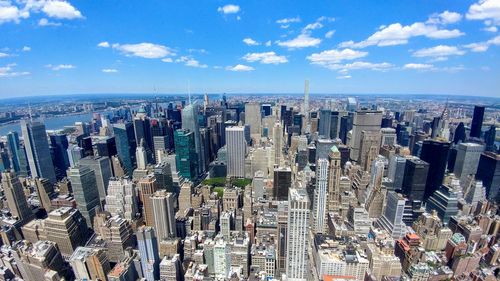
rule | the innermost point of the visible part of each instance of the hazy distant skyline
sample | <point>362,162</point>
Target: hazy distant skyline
<point>382,47</point>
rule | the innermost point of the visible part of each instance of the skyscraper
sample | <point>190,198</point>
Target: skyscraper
<point>186,158</point>
<point>364,120</point>
<point>392,219</point>
<point>67,228</point>
<point>282,181</point>
<point>334,174</point>
<point>126,144</point>
<point>324,122</point>
<point>148,249</point>
<point>320,206</point>
<point>142,130</point>
<point>477,122</point>
<point>164,214</point>
<point>147,187</point>
<point>297,267</point>
<point>236,150</point>
<point>13,146</point>
<point>467,159</point>
<point>435,153</point>
<point>37,149</point>
<point>59,145</point>
<point>83,182</point>
<point>445,202</point>
<point>101,166</point>
<point>254,119</point>
<point>190,122</point>
<point>488,171</point>
<point>415,178</point>
<point>121,199</point>
<point>15,197</point>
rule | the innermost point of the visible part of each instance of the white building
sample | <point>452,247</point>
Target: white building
<point>222,258</point>
<point>163,214</point>
<point>121,199</point>
<point>320,196</point>
<point>236,150</point>
<point>298,235</point>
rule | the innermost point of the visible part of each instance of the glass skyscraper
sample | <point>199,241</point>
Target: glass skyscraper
<point>37,149</point>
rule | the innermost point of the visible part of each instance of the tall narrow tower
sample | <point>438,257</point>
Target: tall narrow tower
<point>306,106</point>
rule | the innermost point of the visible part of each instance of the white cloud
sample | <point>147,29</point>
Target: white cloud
<point>3,55</point>
<point>329,57</point>
<point>240,67</point>
<point>46,22</point>
<point>342,77</point>
<point>484,46</point>
<point>485,10</point>
<point>144,50</point>
<point>313,26</point>
<point>418,66</point>
<point>285,23</point>
<point>10,13</point>
<point>109,70</point>
<point>439,51</point>
<point>60,66</point>
<point>26,49</point>
<point>491,29</point>
<point>250,42</point>
<point>8,71</point>
<point>397,34</point>
<point>324,18</point>
<point>61,10</point>
<point>268,43</point>
<point>302,41</point>
<point>265,58</point>
<point>445,17</point>
<point>191,62</point>
<point>104,44</point>
<point>229,9</point>
<point>357,65</point>
<point>329,34</point>
<point>167,60</point>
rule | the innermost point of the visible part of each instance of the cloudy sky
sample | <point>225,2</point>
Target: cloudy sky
<point>341,46</point>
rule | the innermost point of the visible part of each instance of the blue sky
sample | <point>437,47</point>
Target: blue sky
<point>341,46</point>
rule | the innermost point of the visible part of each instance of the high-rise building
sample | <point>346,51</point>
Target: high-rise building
<point>59,146</point>
<point>477,122</point>
<point>369,148</point>
<point>66,227</point>
<point>142,130</point>
<point>45,192</point>
<point>334,174</point>
<point>467,159</point>
<point>171,269</point>
<point>282,183</point>
<point>121,199</point>
<point>86,194</point>
<point>324,125</point>
<point>116,232</point>
<point>185,154</point>
<point>15,197</point>
<point>415,177</point>
<point>435,153</point>
<point>488,171</point>
<point>90,264</point>
<point>253,118</point>
<point>445,202</point>
<point>364,120</point>
<point>297,267</point>
<point>282,235</point>
<point>101,166</point>
<point>236,150</point>
<point>277,142</point>
<point>164,214</point>
<point>13,146</point>
<point>396,170</point>
<point>37,150</point>
<point>148,249</point>
<point>147,187</point>
<point>126,144</point>
<point>320,206</point>
<point>392,219</point>
<point>190,122</point>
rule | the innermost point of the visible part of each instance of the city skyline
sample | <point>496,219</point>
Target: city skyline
<point>394,47</point>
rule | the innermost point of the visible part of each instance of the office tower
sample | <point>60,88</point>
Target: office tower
<point>321,200</point>
<point>489,139</point>
<point>415,178</point>
<point>59,146</point>
<point>45,192</point>
<point>359,219</point>
<point>13,146</point>
<point>282,236</point>
<point>392,219</point>
<point>282,183</point>
<point>101,166</point>
<point>345,126</point>
<point>186,158</point>
<point>163,175</point>
<point>190,122</point>
<point>116,232</point>
<point>467,159</point>
<point>106,146</point>
<point>334,174</point>
<point>445,202</point>
<point>375,193</point>
<point>277,142</point>
<point>15,197</point>
<point>148,249</point>
<point>171,269</point>
<point>323,148</point>
<point>297,267</point>
<point>396,170</point>
<point>368,149</point>
<point>90,264</point>
<point>477,122</point>
<point>141,156</point>
<point>161,145</point>
<point>83,183</point>
<point>66,227</point>
<point>435,153</point>
<point>121,199</point>
<point>125,144</point>
<point>488,171</point>
<point>142,130</point>
<point>236,150</point>
<point>364,120</point>
<point>388,136</point>
<point>41,258</point>
<point>324,125</point>
<point>37,150</point>
<point>305,108</point>
<point>352,104</point>
<point>459,135</point>
<point>253,118</point>
<point>147,187</point>
<point>164,214</point>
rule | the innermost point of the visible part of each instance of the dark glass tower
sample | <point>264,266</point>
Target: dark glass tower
<point>125,144</point>
<point>488,171</point>
<point>434,152</point>
<point>37,150</point>
<point>477,122</point>
<point>185,154</point>
<point>459,134</point>
<point>414,179</point>
<point>59,145</point>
